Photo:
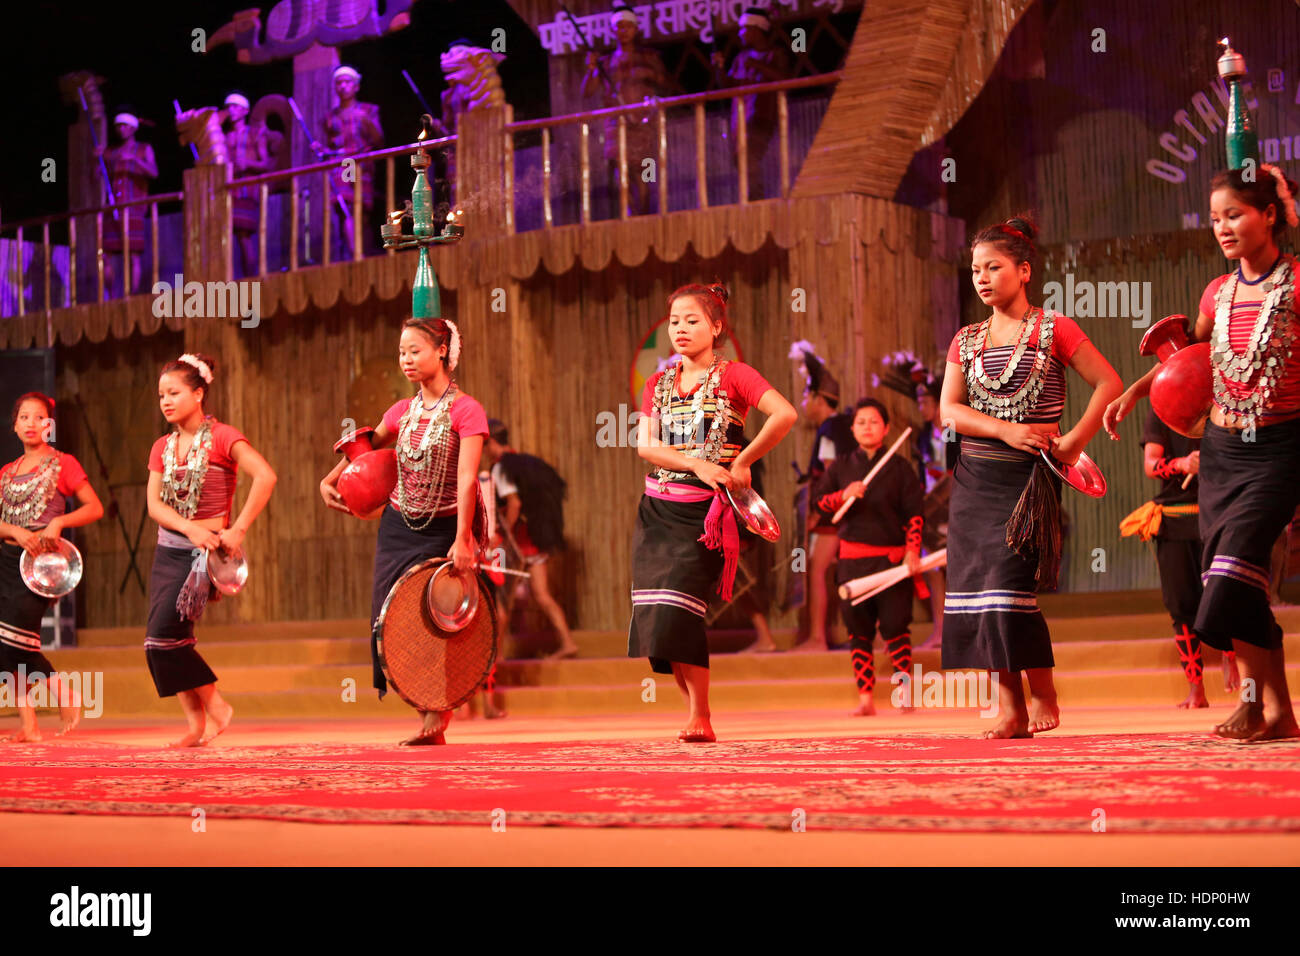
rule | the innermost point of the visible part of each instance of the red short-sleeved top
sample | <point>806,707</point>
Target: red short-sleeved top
<point>218,491</point>
<point>467,419</point>
<point>71,477</point>
<point>1067,337</point>
<point>743,384</point>
<point>1241,322</point>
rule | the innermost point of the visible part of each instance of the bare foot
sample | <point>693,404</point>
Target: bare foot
<point>193,739</point>
<point>760,646</point>
<point>491,711</point>
<point>1243,723</point>
<point>565,652</point>
<point>698,730</point>
<point>221,716</point>
<point>1231,679</point>
<point>866,707</point>
<point>1013,728</point>
<point>1044,714</point>
<point>22,737</point>
<point>433,731</point>
<point>71,719</point>
<point>1195,698</point>
<point>1281,727</point>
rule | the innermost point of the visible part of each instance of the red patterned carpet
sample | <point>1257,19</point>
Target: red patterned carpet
<point>1144,783</point>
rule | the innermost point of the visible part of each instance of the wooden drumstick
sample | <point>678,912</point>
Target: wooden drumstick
<point>848,502</point>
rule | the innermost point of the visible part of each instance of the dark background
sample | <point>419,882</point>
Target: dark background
<point>142,50</point>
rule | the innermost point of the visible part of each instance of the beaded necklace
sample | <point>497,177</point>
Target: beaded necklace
<point>984,392</point>
<point>184,496</point>
<point>421,475</point>
<point>1267,352</point>
<point>666,391</point>
<point>23,504</point>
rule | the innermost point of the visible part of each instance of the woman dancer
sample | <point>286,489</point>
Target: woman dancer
<point>436,509</point>
<point>33,502</point>
<point>1004,391</point>
<point>191,492</point>
<point>1250,453</point>
<point>876,534</point>
<point>693,418</point>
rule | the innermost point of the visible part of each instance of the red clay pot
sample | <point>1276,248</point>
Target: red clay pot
<point>1183,390</point>
<point>370,476</point>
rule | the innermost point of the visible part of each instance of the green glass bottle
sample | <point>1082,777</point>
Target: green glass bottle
<point>1241,141</point>
<point>425,301</point>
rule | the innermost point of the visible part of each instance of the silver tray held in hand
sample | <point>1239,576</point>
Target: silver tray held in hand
<point>54,570</point>
<point>754,512</point>
<point>1083,475</point>
<point>452,597</point>
<point>227,572</point>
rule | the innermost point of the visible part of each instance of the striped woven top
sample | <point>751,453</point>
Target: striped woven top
<point>1066,339</point>
<point>742,386</point>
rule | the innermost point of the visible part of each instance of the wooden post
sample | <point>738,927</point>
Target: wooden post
<point>584,161</point>
<point>357,219</point>
<point>701,166</point>
<point>622,168</point>
<point>153,233</point>
<point>294,214</point>
<point>327,217</point>
<point>390,200</point>
<point>662,172</point>
<point>783,135</point>
<point>480,171</point>
<point>263,198</point>
<point>548,216</point>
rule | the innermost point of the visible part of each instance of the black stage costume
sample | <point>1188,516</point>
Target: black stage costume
<point>1248,484</point>
<point>674,566</point>
<point>874,535</point>
<point>1171,519</point>
<point>991,618</point>
<point>31,500</point>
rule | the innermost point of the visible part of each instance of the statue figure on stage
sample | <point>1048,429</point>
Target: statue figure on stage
<point>352,127</point>
<point>131,165</point>
<point>759,61</point>
<point>630,73</point>
<point>249,154</point>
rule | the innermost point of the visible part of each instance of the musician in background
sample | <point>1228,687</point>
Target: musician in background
<point>936,457</point>
<point>1172,519</point>
<point>249,152</point>
<point>33,513</point>
<point>530,501</point>
<point>821,401</point>
<point>630,73</point>
<point>759,61</point>
<point>352,127</point>
<point>131,166</point>
<point>880,531</point>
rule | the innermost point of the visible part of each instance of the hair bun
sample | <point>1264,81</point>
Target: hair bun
<point>1024,223</point>
<point>720,291</point>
